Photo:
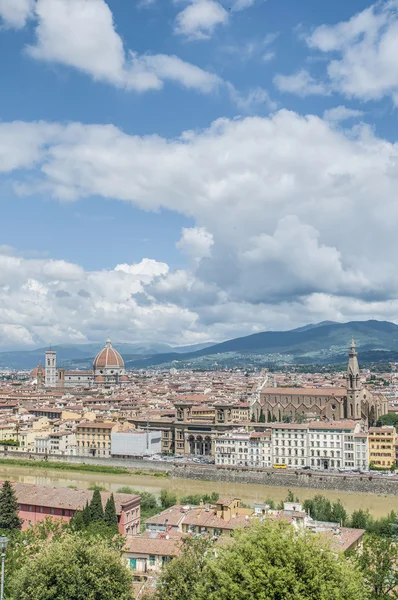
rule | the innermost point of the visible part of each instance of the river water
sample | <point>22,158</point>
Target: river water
<point>378,505</point>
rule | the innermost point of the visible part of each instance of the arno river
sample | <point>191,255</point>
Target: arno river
<point>378,505</point>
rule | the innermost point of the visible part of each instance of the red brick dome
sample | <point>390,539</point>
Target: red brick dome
<point>36,371</point>
<point>108,357</point>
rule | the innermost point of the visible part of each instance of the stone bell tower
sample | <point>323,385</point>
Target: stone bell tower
<point>354,385</point>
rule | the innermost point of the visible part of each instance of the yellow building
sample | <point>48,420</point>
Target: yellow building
<point>382,442</point>
<point>93,438</point>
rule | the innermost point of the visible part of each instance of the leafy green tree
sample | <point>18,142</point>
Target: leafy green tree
<point>96,510</point>
<point>379,565</point>
<point>77,521</point>
<point>110,516</point>
<point>9,519</point>
<point>180,576</point>
<point>360,519</point>
<point>148,501</point>
<point>267,561</point>
<point>319,507</point>
<point>261,418</point>
<point>74,568</point>
<point>167,499</point>
<point>339,513</point>
<point>125,489</point>
<point>270,502</point>
<point>291,497</point>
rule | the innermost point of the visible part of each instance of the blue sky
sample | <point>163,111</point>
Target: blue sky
<point>194,170</point>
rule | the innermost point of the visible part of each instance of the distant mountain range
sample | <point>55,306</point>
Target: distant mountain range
<point>82,355</point>
<point>320,343</point>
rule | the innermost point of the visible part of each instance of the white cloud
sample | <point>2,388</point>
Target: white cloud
<point>366,47</point>
<point>288,215</point>
<point>196,242</point>
<point>238,5</point>
<point>199,19</point>
<point>341,113</point>
<point>255,100</point>
<point>15,13</point>
<point>300,83</point>
<point>81,34</point>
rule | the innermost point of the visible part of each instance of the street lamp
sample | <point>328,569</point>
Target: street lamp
<point>3,547</point>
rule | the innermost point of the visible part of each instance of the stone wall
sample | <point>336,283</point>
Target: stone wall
<point>371,484</point>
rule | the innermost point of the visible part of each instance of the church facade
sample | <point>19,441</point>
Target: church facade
<point>108,369</point>
<point>299,404</point>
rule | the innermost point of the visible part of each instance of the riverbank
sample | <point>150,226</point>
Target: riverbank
<point>36,463</point>
<point>343,482</point>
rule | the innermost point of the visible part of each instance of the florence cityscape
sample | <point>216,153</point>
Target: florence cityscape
<point>198,300</point>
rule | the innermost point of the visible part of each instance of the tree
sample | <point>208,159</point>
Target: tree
<point>319,507</point>
<point>360,519</point>
<point>267,561</point>
<point>379,565</point>
<point>9,519</point>
<point>125,489</point>
<point>110,516</point>
<point>74,568</point>
<point>181,575</point>
<point>77,521</point>
<point>261,418</point>
<point>339,513</point>
<point>86,514</point>
<point>96,510</point>
<point>167,499</point>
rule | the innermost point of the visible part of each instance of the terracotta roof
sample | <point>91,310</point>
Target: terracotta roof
<point>344,539</point>
<point>108,357</point>
<point>346,424</point>
<point>324,391</point>
<point>58,497</point>
<point>97,424</point>
<point>157,546</point>
<point>171,516</point>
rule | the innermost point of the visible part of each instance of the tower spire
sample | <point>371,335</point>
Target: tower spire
<point>353,372</point>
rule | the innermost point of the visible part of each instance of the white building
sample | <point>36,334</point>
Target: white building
<point>244,449</point>
<point>136,443</point>
<point>317,445</point>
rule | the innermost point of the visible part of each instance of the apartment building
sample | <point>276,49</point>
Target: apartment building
<point>318,445</point>
<point>244,449</point>
<point>382,441</point>
<point>93,438</point>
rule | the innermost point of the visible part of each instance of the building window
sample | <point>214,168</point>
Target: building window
<point>151,561</point>
<point>52,511</point>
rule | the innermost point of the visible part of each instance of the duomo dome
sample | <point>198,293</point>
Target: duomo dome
<point>108,364</point>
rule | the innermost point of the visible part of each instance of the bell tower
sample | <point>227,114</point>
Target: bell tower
<point>354,385</point>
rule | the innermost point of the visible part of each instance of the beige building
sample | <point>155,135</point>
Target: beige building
<point>93,438</point>
<point>382,441</point>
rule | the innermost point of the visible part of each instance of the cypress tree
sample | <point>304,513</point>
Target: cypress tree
<point>96,510</point>
<point>110,516</point>
<point>9,519</point>
<point>86,514</point>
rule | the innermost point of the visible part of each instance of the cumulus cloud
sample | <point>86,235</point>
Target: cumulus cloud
<point>361,54</point>
<point>289,212</point>
<point>199,19</point>
<point>81,34</point>
<point>15,13</point>
<point>196,242</point>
